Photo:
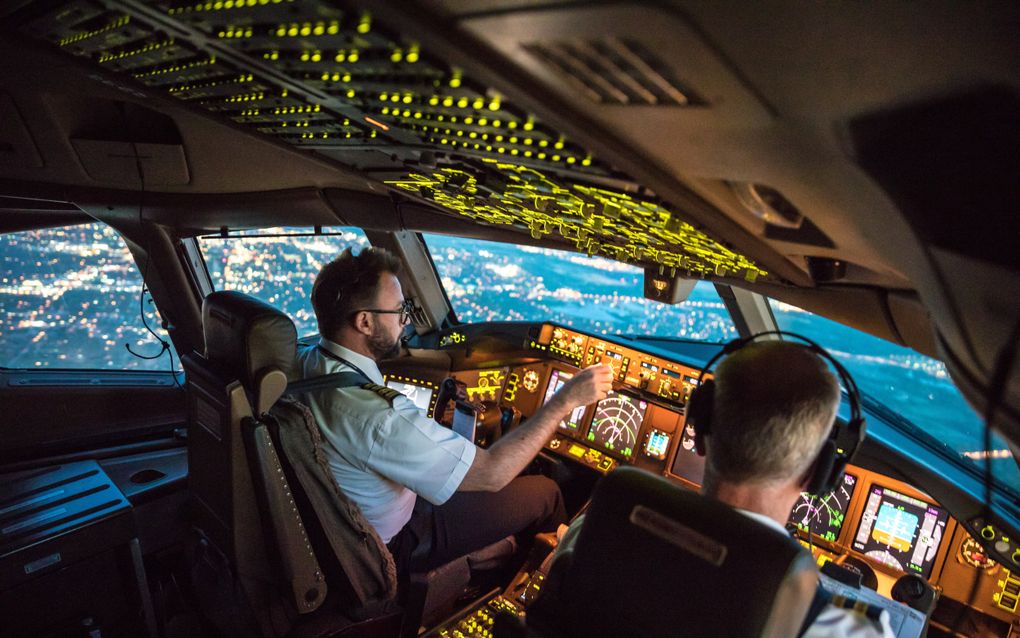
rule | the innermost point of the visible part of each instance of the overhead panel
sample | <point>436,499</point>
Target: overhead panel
<point>329,78</point>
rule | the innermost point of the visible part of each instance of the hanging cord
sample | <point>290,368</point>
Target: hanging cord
<point>996,389</point>
<point>164,344</point>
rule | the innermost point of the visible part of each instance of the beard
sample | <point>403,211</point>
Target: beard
<point>382,346</point>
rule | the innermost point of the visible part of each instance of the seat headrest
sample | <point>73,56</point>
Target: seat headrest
<point>244,336</point>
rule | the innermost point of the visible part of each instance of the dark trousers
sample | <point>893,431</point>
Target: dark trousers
<point>469,521</point>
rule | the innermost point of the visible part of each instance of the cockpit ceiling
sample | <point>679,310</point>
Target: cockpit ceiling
<point>336,82</point>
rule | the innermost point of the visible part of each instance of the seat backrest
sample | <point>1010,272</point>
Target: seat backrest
<point>244,504</point>
<point>652,559</point>
<point>316,538</point>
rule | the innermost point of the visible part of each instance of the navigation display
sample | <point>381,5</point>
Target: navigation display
<point>616,423</point>
<point>557,380</point>
<point>899,531</point>
<point>418,394</point>
<point>824,516</point>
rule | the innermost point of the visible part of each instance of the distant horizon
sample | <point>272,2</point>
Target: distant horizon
<point>70,299</point>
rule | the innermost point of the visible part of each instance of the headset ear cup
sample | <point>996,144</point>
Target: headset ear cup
<point>822,480</point>
<point>699,413</point>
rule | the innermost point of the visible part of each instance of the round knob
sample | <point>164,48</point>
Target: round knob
<point>1001,546</point>
<point>1015,557</point>
<point>988,532</point>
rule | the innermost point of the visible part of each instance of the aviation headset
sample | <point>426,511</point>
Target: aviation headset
<point>843,440</point>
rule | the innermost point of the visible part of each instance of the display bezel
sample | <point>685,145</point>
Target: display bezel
<point>594,410</point>
<point>678,449</point>
<point>848,513</point>
<point>432,392</point>
<point>583,421</point>
<point>862,504</point>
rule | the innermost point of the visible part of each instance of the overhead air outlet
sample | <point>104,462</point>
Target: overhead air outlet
<point>783,220</point>
<point>767,204</point>
<point>614,71</point>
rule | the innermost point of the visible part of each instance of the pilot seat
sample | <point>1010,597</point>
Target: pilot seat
<point>279,550</point>
<point>654,560</point>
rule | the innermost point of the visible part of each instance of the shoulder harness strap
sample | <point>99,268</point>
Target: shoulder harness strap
<point>336,380</point>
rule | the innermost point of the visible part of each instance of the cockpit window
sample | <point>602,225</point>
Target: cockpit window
<point>277,265</point>
<point>916,388</point>
<point>71,298</point>
<point>488,281</point>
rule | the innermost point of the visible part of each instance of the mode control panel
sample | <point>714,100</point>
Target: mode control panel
<point>637,369</point>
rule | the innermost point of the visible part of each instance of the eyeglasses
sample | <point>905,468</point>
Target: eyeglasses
<point>405,311</point>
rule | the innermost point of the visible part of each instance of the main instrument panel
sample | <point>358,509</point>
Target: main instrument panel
<point>871,523</point>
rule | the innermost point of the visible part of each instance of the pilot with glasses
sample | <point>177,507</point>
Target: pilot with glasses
<point>426,490</point>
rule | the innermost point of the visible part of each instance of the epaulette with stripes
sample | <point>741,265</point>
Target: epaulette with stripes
<point>387,393</point>
<point>873,612</point>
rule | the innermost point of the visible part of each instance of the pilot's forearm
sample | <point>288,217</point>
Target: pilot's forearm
<point>495,467</point>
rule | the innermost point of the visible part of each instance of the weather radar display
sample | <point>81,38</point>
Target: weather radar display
<point>616,423</point>
<point>824,516</point>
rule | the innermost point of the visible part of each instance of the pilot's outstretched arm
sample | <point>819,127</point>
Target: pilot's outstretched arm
<point>495,467</point>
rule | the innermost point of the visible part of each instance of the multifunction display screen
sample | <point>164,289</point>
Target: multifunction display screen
<point>900,531</point>
<point>656,444</point>
<point>616,423</point>
<point>557,380</point>
<point>823,516</point>
<point>419,395</point>
<point>687,464</point>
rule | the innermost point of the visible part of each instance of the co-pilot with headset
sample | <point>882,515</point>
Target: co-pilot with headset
<point>765,424</point>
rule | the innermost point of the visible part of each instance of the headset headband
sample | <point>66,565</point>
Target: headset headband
<point>842,442</point>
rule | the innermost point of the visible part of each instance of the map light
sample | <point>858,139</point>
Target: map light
<point>666,288</point>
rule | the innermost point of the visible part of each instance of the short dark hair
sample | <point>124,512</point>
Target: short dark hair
<point>348,283</point>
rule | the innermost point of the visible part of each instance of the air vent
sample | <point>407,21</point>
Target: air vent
<point>614,71</point>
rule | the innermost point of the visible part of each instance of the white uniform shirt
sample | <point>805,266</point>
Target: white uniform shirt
<point>382,455</point>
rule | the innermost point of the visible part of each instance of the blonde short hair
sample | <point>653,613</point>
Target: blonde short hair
<point>775,403</point>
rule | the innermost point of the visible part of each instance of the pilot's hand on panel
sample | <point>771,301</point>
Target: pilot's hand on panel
<point>588,386</point>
